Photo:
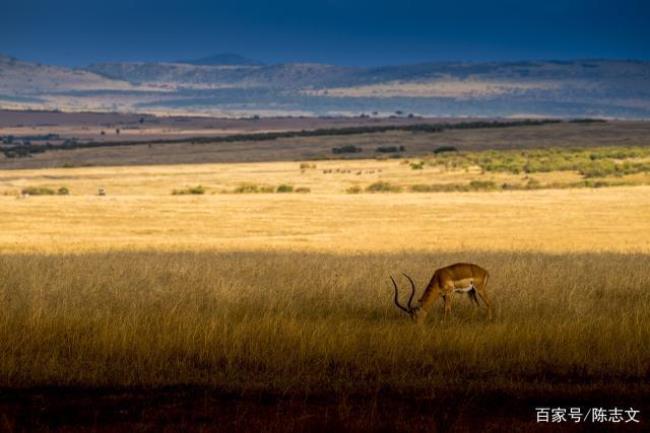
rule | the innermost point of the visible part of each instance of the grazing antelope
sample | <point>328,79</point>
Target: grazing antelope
<point>457,278</point>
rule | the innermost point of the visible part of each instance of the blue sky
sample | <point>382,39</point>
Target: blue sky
<point>361,32</point>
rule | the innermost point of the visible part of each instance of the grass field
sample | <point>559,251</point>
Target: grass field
<point>287,294</point>
<point>310,323</point>
<point>140,211</point>
<point>611,219</point>
<point>276,341</point>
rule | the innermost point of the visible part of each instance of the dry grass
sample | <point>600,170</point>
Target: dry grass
<point>610,219</point>
<point>296,323</point>
<point>335,176</point>
<point>287,293</point>
<point>140,212</point>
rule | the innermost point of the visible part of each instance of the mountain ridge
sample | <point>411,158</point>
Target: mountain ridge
<point>222,59</point>
<point>586,87</point>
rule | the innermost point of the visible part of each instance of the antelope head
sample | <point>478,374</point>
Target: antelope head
<point>415,312</point>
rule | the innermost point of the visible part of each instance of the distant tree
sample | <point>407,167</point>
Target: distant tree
<point>347,149</point>
<point>389,149</point>
<point>117,131</point>
<point>443,149</point>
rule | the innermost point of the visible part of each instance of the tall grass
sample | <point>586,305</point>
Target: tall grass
<point>295,322</point>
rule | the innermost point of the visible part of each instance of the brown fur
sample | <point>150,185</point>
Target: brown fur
<point>445,280</point>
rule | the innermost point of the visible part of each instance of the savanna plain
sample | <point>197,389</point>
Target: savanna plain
<point>255,296</point>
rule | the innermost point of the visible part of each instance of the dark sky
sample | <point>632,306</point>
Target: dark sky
<point>360,32</point>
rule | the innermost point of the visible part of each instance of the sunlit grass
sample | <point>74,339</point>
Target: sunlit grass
<point>292,322</point>
<point>568,220</point>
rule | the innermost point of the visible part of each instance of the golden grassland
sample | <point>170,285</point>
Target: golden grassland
<point>612,219</point>
<point>326,177</point>
<point>288,293</point>
<point>311,323</point>
<point>140,212</point>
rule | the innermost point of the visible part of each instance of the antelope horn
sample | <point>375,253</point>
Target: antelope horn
<point>412,291</point>
<point>396,297</point>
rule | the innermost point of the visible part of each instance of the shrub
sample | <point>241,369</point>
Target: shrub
<point>383,187</point>
<point>590,162</point>
<point>284,188</point>
<point>442,187</point>
<point>482,185</point>
<point>246,188</point>
<point>252,188</point>
<point>63,191</point>
<point>443,149</point>
<point>390,149</point>
<point>598,168</point>
<point>347,149</point>
<point>190,190</point>
<point>617,153</point>
<point>533,184</point>
<point>422,188</point>
<point>303,189</point>
<point>38,190</point>
<point>632,168</point>
<point>306,165</point>
<point>417,165</point>
<point>355,189</point>
<point>596,184</point>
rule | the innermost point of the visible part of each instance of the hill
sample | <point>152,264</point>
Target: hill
<point>231,85</point>
<point>222,59</point>
<point>21,78</point>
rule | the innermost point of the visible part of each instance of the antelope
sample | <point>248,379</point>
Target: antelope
<point>445,282</point>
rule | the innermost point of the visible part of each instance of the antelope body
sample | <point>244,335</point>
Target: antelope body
<point>445,282</point>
